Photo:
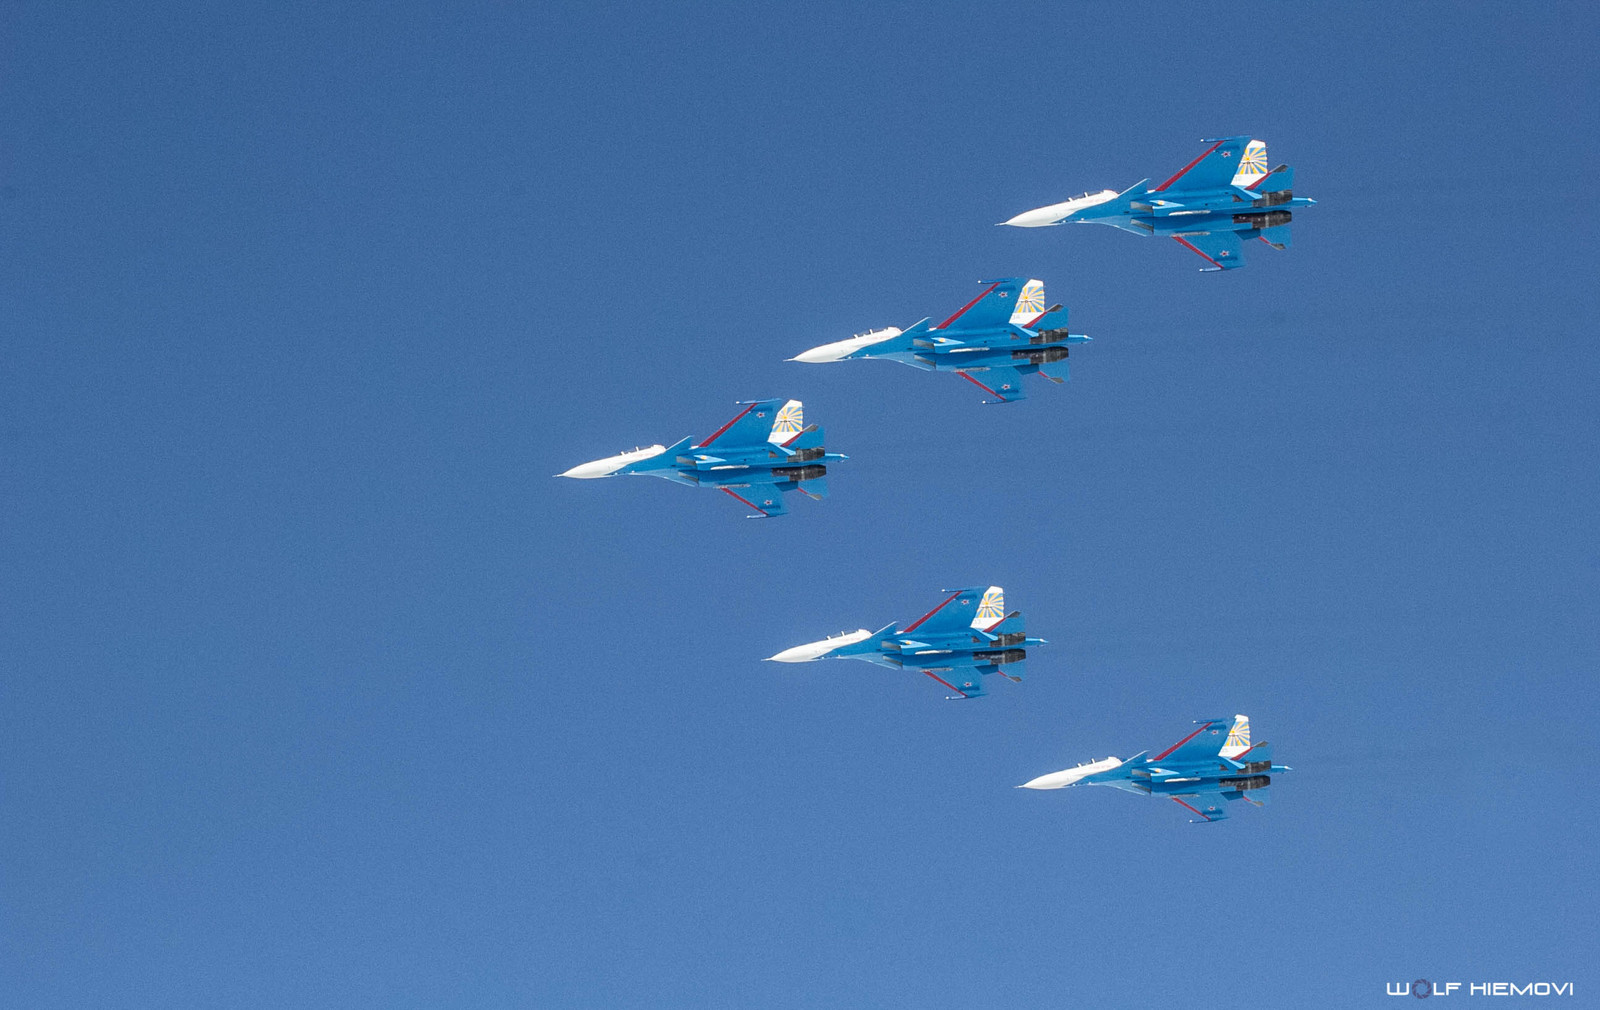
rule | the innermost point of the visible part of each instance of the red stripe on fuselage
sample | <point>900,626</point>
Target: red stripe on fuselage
<point>718,433</point>
<point>1185,740</point>
<point>1187,807</point>
<point>747,501</point>
<point>1186,168</point>
<point>918,622</point>
<point>1191,247</point>
<point>956,689</point>
<point>980,385</point>
<point>967,306</point>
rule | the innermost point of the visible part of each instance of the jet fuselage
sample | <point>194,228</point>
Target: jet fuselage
<point>1007,346</point>
<point>1201,213</point>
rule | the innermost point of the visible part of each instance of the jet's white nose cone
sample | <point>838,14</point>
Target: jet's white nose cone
<point>587,471</point>
<point>1059,212</point>
<point>816,650</point>
<point>611,464</point>
<point>1062,779</point>
<point>1034,218</point>
<point>844,348</point>
<point>818,355</point>
<point>1055,780</point>
<point>798,654</point>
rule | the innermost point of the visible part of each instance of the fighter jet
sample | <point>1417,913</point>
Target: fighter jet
<point>766,450</point>
<point>1212,206</point>
<point>965,638</point>
<point>992,341</point>
<point>1197,773</point>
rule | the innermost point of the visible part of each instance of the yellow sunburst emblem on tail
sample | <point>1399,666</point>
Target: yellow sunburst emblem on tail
<point>1031,300</point>
<point>789,420</point>
<point>993,606</point>
<point>1239,736</point>
<point>1254,161</point>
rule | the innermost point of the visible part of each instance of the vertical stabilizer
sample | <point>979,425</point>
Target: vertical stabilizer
<point>1030,304</point>
<point>1238,737</point>
<point>1252,164</point>
<point>787,424</point>
<point>991,609</point>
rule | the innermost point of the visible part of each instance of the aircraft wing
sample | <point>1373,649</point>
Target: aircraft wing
<point>766,499</point>
<point>990,309</point>
<point>1214,169</point>
<point>1205,808</point>
<point>758,423</point>
<point>1002,382</point>
<point>1222,249</point>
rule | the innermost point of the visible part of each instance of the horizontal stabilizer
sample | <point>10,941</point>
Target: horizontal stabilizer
<point>1221,249</point>
<point>816,488</point>
<point>809,438</point>
<point>1277,238</point>
<point>1256,759</point>
<point>1205,809</point>
<point>1011,624</point>
<point>966,682</point>
<point>1055,319</point>
<point>1259,796</point>
<point>1010,671</point>
<point>766,499</point>
<point>1055,371</point>
<point>1002,382</point>
<point>1275,181</point>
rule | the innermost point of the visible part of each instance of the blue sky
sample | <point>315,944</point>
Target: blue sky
<point>319,691</point>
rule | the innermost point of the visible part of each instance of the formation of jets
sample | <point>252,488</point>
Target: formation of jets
<point>1212,206</point>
